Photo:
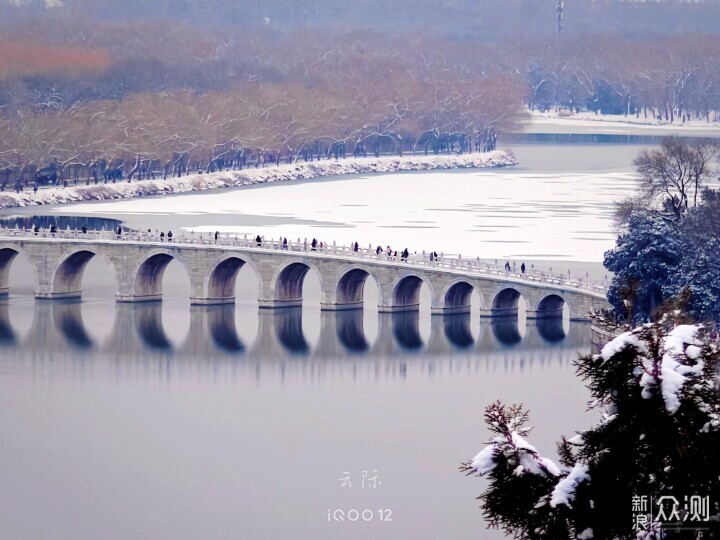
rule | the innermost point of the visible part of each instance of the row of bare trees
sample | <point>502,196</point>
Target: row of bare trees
<point>95,99</point>
<point>668,79</point>
<point>153,134</point>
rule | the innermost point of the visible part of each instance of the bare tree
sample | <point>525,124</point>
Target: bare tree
<point>673,175</point>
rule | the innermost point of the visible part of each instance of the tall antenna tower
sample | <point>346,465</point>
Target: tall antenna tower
<point>559,8</point>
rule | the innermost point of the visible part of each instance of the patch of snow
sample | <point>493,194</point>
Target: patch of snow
<point>587,534</point>
<point>484,462</point>
<point>278,173</point>
<point>530,461</point>
<point>693,352</point>
<point>673,371</point>
<point>588,121</point>
<point>577,440</point>
<point>564,492</point>
<point>627,339</point>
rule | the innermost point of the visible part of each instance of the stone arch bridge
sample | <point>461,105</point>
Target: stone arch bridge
<point>138,262</point>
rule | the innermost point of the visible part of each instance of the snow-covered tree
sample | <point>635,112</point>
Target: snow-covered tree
<point>658,435</point>
<point>644,260</point>
<point>656,260</point>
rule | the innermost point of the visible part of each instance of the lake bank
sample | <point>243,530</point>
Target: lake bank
<point>245,177</point>
<point>585,123</point>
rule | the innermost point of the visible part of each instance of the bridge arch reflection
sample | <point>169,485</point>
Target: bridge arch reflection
<point>59,327</point>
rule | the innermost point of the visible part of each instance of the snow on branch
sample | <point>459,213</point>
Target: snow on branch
<point>509,445</point>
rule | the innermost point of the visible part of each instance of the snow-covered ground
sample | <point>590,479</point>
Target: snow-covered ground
<point>280,173</point>
<point>522,216</point>
<point>587,122</point>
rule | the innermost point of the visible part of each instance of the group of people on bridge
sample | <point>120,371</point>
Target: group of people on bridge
<point>432,257</point>
<point>523,268</point>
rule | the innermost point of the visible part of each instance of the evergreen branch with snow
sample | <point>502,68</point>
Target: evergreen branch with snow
<point>655,389</point>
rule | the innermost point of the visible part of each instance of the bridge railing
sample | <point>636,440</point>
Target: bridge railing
<point>424,259</point>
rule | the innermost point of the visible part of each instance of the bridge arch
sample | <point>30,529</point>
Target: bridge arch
<point>506,302</point>
<point>551,306</point>
<point>405,291</point>
<point>148,274</point>
<point>67,273</point>
<point>456,297</point>
<point>8,253</point>
<point>220,283</point>
<point>351,286</point>
<point>286,285</point>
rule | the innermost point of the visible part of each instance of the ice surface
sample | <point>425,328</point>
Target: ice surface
<point>507,214</point>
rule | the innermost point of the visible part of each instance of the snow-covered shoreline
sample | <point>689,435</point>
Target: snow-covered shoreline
<point>279,173</point>
<point>606,124</point>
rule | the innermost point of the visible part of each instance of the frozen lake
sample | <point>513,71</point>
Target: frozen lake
<point>557,205</point>
<point>159,422</point>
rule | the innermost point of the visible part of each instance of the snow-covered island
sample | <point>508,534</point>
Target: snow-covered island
<point>279,173</point>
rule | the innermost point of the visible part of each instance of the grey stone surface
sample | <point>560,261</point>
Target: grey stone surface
<point>138,267</point>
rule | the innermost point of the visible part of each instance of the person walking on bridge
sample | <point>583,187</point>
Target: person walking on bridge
<point>522,268</point>
<point>216,236</point>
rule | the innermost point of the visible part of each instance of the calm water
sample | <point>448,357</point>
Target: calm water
<point>162,421</point>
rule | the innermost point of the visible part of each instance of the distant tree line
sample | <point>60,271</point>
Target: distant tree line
<point>669,79</point>
<point>102,90</point>
<point>161,134</point>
